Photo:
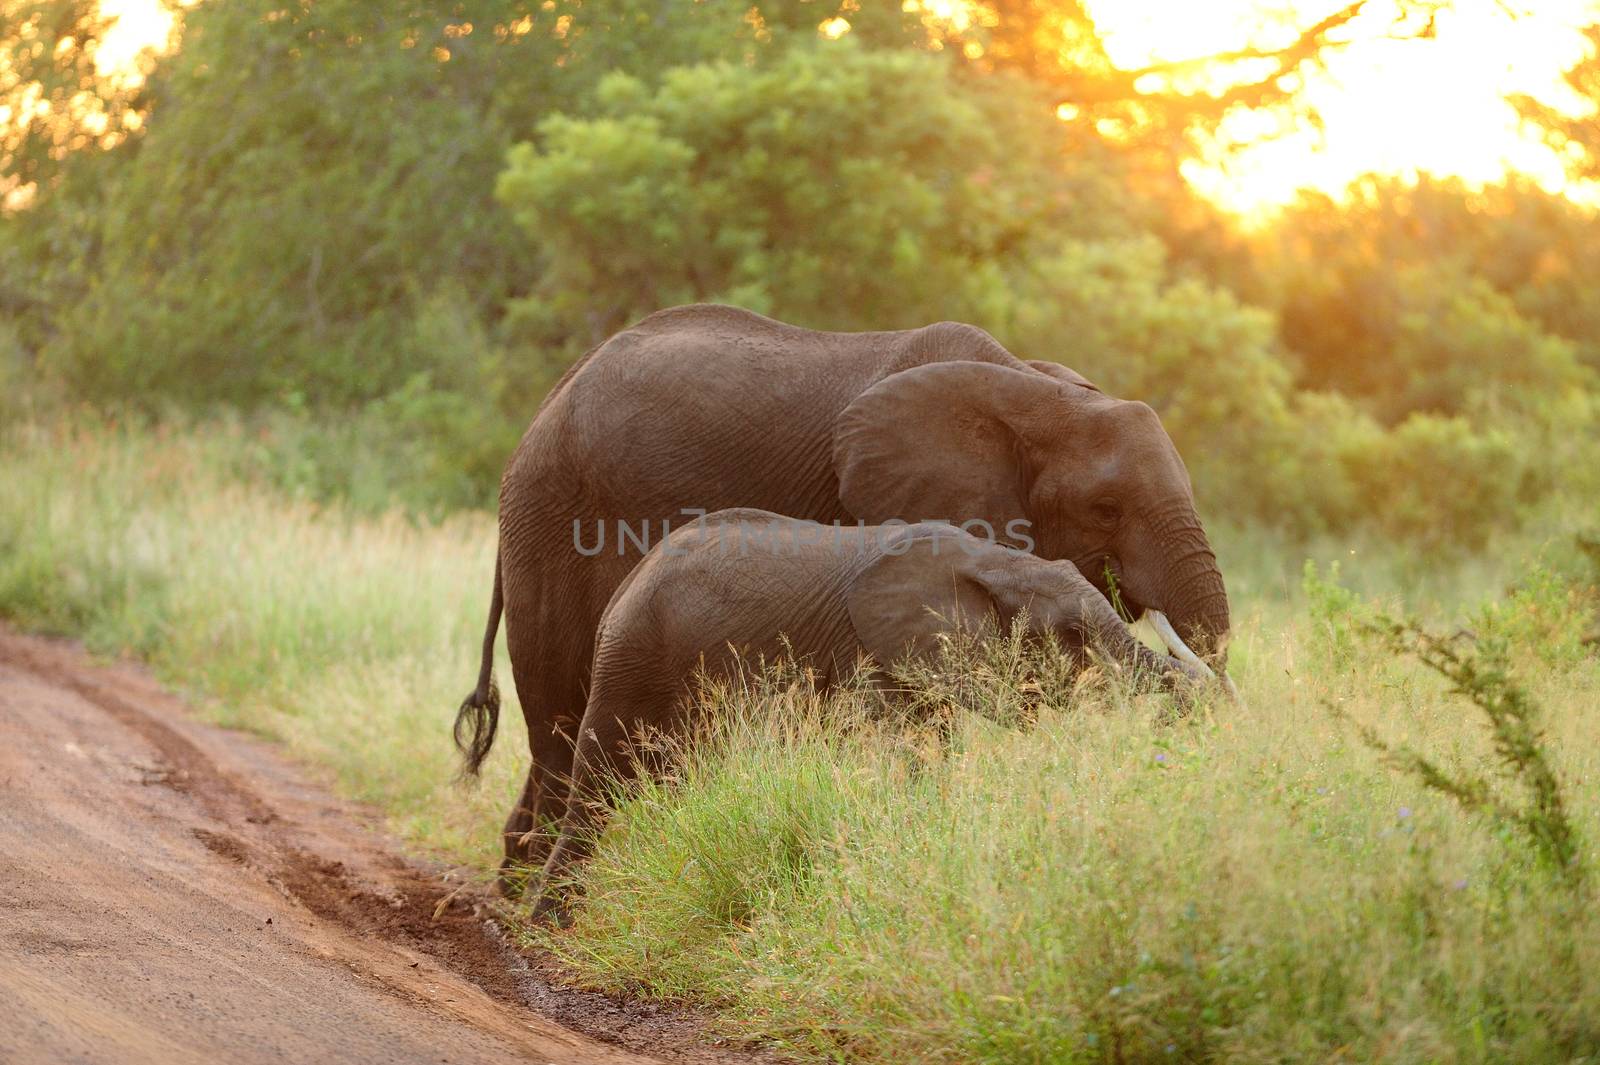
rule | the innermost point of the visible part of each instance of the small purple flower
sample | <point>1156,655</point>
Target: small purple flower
<point>1161,756</point>
<point>1460,885</point>
<point>1405,812</point>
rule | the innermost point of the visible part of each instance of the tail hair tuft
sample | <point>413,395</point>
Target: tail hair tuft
<point>479,713</point>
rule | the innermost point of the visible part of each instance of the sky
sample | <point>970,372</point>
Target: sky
<point>1386,104</point>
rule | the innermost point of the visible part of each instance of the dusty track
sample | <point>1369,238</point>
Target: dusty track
<point>170,892</point>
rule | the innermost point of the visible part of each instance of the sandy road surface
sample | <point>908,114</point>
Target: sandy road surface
<point>173,893</point>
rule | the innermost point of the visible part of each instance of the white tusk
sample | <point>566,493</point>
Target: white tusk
<point>1175,644</point>
<point>1181,651</point>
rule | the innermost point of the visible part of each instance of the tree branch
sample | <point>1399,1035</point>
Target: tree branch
<point>1120,86</point>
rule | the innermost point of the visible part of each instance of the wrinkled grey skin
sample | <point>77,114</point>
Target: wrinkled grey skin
<point>712,407</point>
<point>748,585</point>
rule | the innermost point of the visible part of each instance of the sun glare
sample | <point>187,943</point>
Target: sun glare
<point>140,24</point>
<point>1390,101</point>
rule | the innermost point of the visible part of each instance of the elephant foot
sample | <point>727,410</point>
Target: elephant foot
<point>553,909</point>
<point>513,879</point>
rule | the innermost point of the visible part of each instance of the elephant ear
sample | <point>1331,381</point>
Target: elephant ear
<point>1063,373</point>
<point>940,442</point>
<point>921,585</point>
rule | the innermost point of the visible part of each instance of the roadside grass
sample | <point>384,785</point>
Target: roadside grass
<point>350,638</point>
<point>1248,884</point>
<point>1096,883</point>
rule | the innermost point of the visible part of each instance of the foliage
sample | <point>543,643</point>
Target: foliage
<point>1158,107</point>
<point>1548,612</point>
<point>54,99</point>
<point>1479,670</point>
<point>296,251</point>
<point>835,186</point>
<point>1445,301</point>
<point>1408,324</point>
<point>1575,136</point>
<point>313,181</point>
<point>1337,615</point>
<point>406,227</point>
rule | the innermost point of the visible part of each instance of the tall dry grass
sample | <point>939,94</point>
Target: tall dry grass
<point>1250,884</point>
<point>1040,871</point>
<point>350,638</point>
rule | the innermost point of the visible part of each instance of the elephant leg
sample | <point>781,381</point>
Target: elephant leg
<point>549,655</point>
<point>540,809</point>
<point>518,823</point>
<point>517,838</point>
<point>604,760</point>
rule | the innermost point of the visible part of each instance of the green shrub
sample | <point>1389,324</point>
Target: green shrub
<point>1545,614</point>
<point>1439,481</point>
<point>832,186</point>
<point>1478,669</point>
<point>1336,613</point>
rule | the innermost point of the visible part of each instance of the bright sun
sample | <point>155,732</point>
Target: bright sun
<point>139,24</point>
<point>1387,104</point>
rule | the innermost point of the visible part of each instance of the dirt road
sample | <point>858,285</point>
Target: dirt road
<point>170,892</point>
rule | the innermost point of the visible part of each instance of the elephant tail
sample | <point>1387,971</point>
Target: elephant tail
<point>481,710</point>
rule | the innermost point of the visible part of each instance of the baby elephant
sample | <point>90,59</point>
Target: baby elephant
<point>742,583</point>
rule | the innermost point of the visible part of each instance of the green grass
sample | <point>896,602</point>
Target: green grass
<point>1245,885</point>
<point>350,638</point>
<point>1098,884</point>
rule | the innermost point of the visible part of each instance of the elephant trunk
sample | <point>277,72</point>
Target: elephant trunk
<point>1196,602</point>
<point>1107,634</point>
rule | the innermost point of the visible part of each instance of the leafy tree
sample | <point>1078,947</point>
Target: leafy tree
<point>1336,271</point>
<point>1432,297</point>
<point>293,208</point>
<point>54,99</point>
<point>843,188</point>
<point>1576,137</point>
<point>311,206</point>
<point>317,180</point>
<point>835,186</point>
<point>1159,108</point>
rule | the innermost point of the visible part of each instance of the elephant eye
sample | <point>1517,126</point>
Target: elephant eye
<point>1107,513</point>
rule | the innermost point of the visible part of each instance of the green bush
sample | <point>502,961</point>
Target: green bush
<point>1208,364</point>
<point>1547,615</point>
<point>1439,481</point>
<point>832,186</point>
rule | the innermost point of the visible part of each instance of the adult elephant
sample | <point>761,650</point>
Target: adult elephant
<point>702,408</point>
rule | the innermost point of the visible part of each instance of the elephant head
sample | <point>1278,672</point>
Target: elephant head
<point>932,578</point>
<point>1050,464</point>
